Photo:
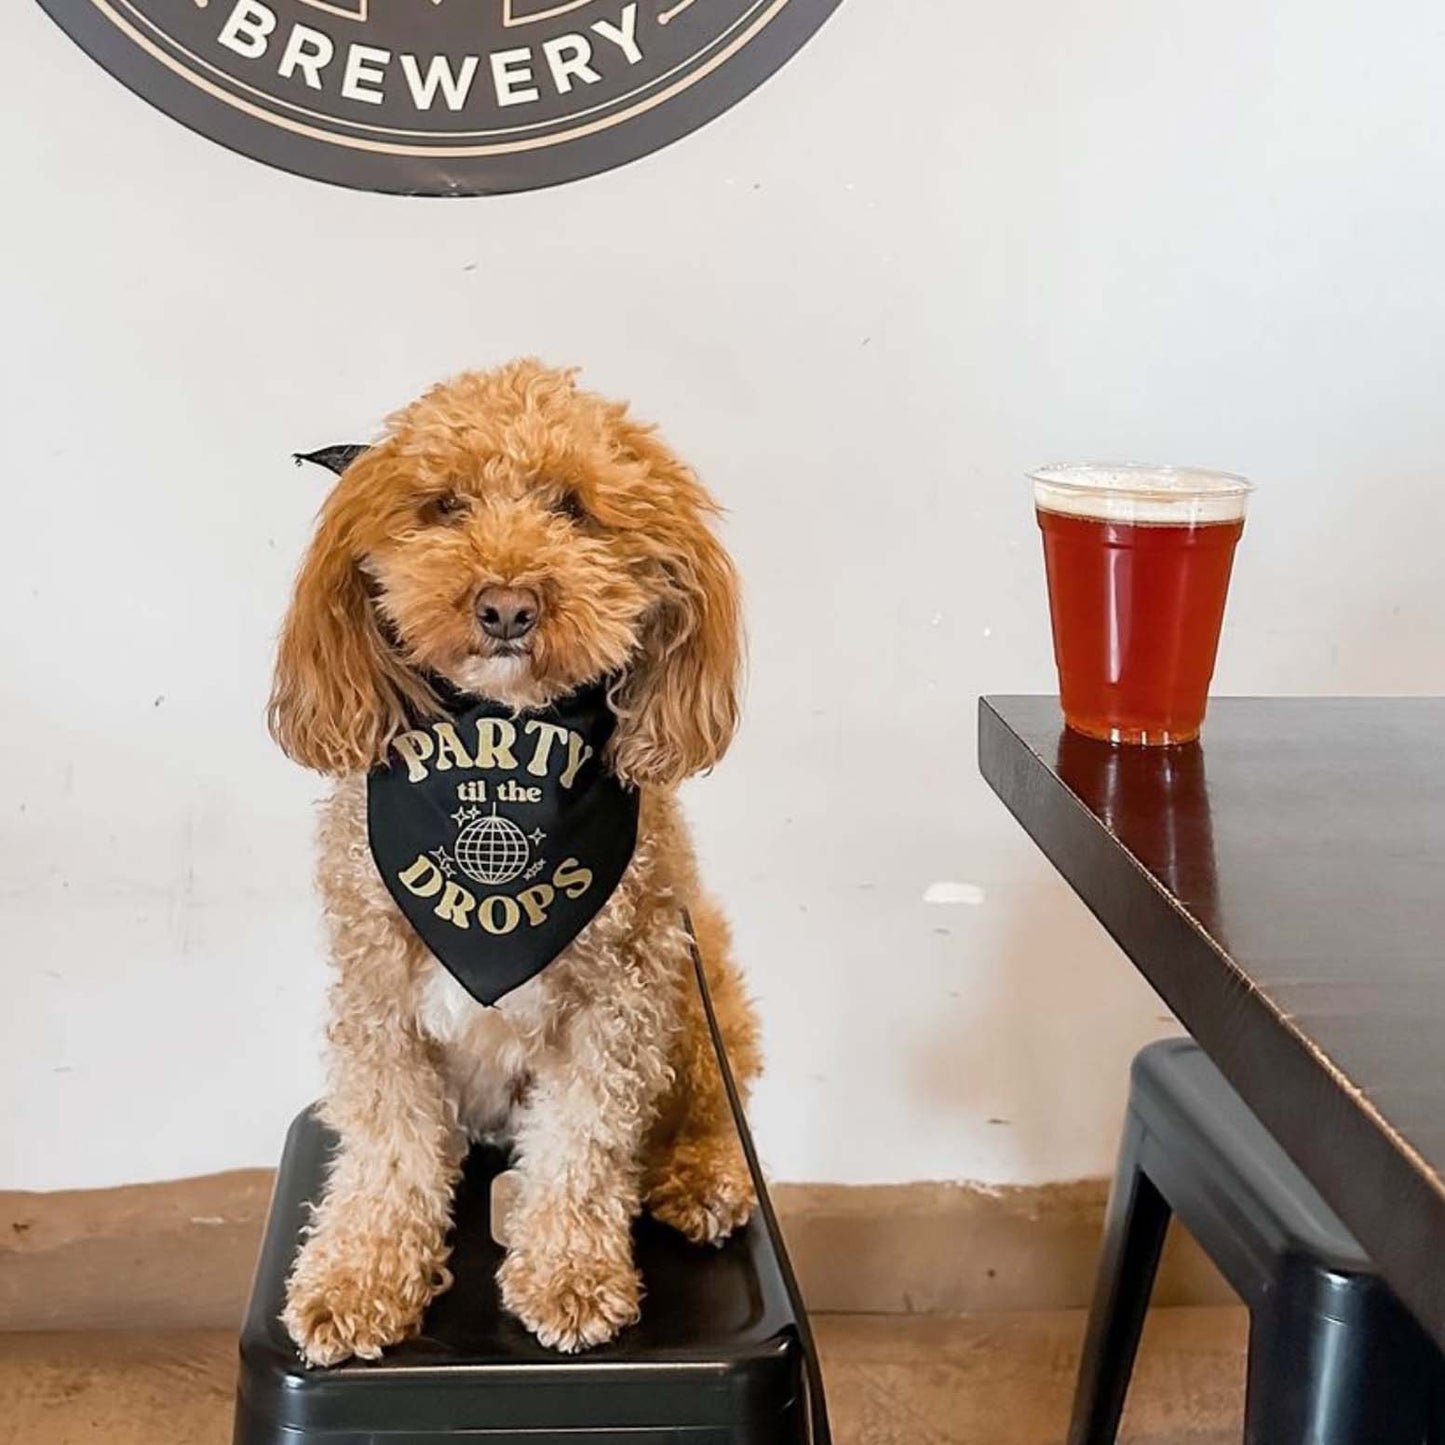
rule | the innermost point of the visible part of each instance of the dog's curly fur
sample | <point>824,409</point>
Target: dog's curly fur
<point>599,1070</point>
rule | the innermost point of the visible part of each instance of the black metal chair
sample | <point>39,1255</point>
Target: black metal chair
<point>1334,1358</point>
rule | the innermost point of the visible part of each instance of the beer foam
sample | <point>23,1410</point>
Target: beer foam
<point>1139,493</point>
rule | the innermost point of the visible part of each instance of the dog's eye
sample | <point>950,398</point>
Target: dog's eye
<point>569,504</point>
<point>445,508</point>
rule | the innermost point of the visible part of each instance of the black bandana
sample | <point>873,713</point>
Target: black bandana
<point>500,835</point>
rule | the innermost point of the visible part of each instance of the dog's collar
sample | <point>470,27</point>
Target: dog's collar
<point>585,695</point>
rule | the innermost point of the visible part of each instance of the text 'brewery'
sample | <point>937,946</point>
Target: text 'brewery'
<point>522,75</point>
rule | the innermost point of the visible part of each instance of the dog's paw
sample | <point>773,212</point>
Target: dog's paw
<point>570,1303</point>
<point>704,1194</point>
<point>343,1301</point>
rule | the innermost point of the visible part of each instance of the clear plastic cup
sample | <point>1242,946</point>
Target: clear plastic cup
<point>1138,560</point>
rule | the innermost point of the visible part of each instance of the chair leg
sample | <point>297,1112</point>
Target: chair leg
<point>1134,1230</point>
<point>1335,1360</point>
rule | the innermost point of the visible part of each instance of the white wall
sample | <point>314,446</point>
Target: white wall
<point>950,240</point>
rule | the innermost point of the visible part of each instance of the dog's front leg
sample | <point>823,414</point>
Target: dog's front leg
<point>568,1275</point>
<point>376,1250</point>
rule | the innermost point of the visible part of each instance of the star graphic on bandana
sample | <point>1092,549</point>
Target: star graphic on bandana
<point>537,836</point>
<point>465,815</point>
<point>535,869</point>
<point>444,861</point>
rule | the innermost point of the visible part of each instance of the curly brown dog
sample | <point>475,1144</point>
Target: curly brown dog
<point>599,1070</point>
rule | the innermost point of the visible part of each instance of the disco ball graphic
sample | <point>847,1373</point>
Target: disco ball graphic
<point>492,850</point>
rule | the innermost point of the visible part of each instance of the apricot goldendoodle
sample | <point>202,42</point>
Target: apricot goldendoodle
<point>516,538</point>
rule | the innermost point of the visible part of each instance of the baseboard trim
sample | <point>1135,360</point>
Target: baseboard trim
<point>179,1254</point>
<point>961,1249</point>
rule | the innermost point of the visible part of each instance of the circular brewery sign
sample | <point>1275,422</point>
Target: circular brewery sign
<point>442,97</point>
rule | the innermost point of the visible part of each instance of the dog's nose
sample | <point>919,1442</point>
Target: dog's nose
<point>508,613</point>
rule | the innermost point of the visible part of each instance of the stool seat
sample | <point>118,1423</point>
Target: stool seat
<point>715,1358</point>
<point>1334,1358</point>
<point>1186,1104</point>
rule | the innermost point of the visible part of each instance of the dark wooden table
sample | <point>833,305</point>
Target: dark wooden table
<point>1282,886</point>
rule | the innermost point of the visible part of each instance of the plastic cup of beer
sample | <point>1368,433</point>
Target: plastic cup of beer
<point>1138,560</point>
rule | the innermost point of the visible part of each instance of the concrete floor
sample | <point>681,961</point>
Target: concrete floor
<point>892,1380</point>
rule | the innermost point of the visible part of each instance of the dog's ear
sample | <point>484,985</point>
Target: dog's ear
<point>341,692</point>
<point>677,704</point>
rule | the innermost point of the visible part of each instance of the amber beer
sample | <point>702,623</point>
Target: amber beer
<point>1138,560</point>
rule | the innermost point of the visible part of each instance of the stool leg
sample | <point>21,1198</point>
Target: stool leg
<point>1335,1360</point>
<point>1435,1431</point>
<point>1134,1230</point>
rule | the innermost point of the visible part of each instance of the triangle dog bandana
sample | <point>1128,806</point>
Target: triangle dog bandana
<point>501,834</point>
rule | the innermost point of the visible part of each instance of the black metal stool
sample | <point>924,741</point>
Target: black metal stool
<point>723,1354</point>
<point>1334,1358</point>
<point>716,1354</point>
